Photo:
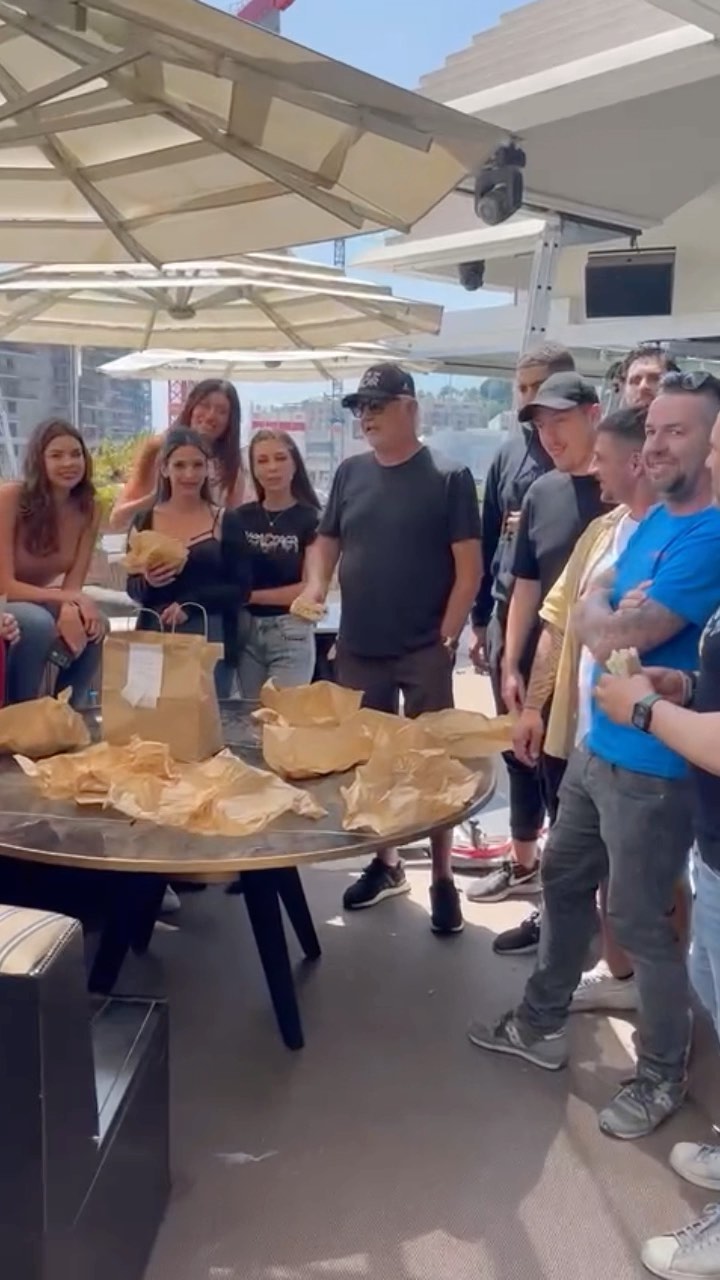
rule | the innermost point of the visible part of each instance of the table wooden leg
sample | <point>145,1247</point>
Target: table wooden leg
<point>294,901</point>
<point>263,908</point>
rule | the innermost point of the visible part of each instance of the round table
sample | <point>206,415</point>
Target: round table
<point>55,853</point>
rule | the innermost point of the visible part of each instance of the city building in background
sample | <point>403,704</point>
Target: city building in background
<point>465,423</point>
<point>38,382</point>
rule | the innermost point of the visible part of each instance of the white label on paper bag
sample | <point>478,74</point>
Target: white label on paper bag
<point>144,675</point>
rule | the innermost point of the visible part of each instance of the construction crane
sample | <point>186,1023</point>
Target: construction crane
<point>264,13</point>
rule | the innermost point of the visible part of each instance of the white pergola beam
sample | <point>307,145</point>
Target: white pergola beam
<point>702,13</point>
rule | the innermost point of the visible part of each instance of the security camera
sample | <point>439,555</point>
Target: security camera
<point>499,186</point>
<point>472,275</point>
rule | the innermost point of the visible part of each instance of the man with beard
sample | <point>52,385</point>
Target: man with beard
<point>684,714</point>
<point>624,810</point>
<point>639,375</point>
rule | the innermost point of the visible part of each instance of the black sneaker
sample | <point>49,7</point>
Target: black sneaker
<point>377,882</point>
<point>446,911</point>
<point>521,941</point>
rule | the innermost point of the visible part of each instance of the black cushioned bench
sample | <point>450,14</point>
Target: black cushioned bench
<point>84,1164</point>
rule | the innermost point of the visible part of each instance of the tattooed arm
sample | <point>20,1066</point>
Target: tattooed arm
<point>643,626</point>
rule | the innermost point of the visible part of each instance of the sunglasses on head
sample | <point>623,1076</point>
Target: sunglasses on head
<point>698,380</point>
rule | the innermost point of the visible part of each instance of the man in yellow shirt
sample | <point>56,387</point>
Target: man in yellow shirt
<point>556,710</point>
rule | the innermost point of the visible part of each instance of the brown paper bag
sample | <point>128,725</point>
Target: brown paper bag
<point>42,727</point>
<point>159,686</point>
<point>316,704</point>
<point>468,735</point>
<point>404,787</point>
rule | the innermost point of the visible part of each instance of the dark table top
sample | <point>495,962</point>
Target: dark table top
<point>42,830</point>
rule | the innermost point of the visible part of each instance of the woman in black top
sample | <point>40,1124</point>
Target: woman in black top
<point>280,528</point>
<point>216,577</point>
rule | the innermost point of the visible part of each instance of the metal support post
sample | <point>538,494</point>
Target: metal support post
<point>337,412</point>
<point>542,281</point>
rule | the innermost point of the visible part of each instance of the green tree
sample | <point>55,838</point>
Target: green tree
<point>112,461</point>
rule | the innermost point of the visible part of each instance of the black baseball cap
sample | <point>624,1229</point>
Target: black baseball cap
<point>561,391</point>
<point>381,382</point>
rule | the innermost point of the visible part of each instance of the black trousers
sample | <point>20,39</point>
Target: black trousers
<point>527,792</point>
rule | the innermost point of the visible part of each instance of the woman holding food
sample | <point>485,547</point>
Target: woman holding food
<point>204,580</point>
<point>212,409</point>
<point>277,634</point>
<point>48,528</point>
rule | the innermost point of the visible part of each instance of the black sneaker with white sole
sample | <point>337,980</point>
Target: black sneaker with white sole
<point>377,882</point>
<point>446,910</point>
<point>523,940</point>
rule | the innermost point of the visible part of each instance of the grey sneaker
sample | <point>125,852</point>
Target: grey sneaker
<point>697,1163</point>
<point>511,1036</point>
<point>693,1253</point>
<point>509,881</point>
<point>641,1106</point>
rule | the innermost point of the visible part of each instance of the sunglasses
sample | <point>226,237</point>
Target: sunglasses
<point>695,381</point>
<point>373,404</point>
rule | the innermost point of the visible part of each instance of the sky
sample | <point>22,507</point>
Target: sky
<point>398,40</point>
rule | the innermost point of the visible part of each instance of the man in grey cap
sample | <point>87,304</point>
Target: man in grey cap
<point>404,524</point>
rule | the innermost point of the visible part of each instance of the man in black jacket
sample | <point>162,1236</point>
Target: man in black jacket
<point>517,464</point>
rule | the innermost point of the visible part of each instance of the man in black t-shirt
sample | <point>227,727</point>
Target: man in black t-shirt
<point>404,524</point>
<point>556,510</point>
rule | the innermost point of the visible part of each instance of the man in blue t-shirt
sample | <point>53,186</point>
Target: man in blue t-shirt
<point>624,803</point>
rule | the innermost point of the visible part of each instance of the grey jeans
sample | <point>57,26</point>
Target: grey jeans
<point>281,648</point>
<point>635,831</point>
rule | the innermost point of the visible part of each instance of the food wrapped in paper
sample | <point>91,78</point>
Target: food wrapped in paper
<point>624,662</point>
<point>87,776</point>
<point>221,796</point>
<point>468,735</point>
<point>404,787</point>
<point>148,550</point>
<point>308,610</point>
<point>42,727</point>
<point>299,751</point>
<point>316,704</point>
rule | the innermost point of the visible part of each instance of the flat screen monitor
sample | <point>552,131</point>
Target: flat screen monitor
<point>629,283</point>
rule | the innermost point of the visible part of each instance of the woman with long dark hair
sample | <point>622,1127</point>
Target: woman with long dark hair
<point>280,527</point>
<point>212,409</point>
<point>48,528</point>
<point>206,596</point>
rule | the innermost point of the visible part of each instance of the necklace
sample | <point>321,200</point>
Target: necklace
<point>273,519</point>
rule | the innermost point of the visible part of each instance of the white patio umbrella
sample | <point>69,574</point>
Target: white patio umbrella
<point>165,130</point>
<point>258,366</point>
<point>262,302</point>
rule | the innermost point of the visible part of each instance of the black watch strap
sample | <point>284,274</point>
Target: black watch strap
<point>643,710</point>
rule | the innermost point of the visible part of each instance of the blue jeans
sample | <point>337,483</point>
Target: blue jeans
<point>281,648</point>
<point>28,658</point>
<point>195,626</point>
<point>705,946</point>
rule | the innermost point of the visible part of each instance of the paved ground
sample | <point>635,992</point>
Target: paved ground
<point>390,1149</point>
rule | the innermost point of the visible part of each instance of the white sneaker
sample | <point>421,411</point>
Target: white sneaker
<point>170,903</point>
<point>697,1163</point>
<point>598,989</point>
<point>693,1253</point>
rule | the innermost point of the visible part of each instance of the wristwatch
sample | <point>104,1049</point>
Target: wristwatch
<point>642,712</point>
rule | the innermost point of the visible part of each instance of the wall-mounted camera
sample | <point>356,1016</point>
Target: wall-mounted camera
<point>471,275</point>
<point>499,185</point>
